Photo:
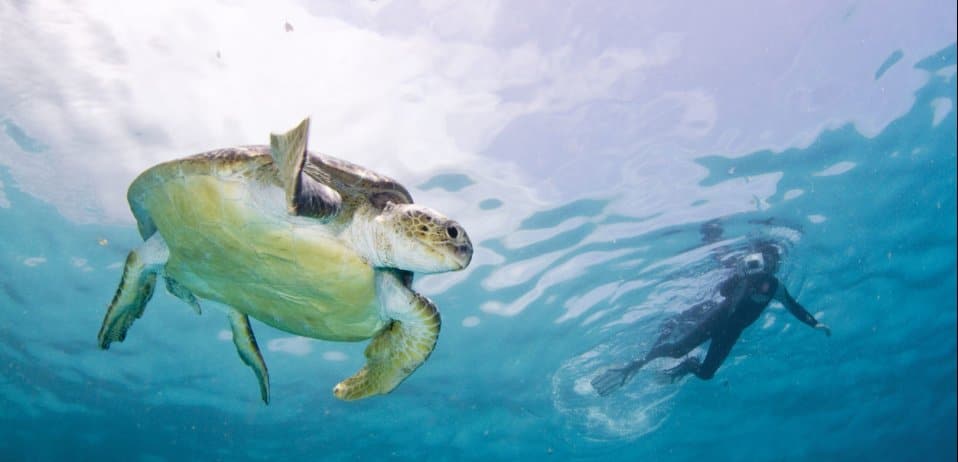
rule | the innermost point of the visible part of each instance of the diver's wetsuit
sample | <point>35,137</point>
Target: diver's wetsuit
<point>745,299</point>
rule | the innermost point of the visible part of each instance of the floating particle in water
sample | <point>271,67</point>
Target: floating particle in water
<point>103,242</point>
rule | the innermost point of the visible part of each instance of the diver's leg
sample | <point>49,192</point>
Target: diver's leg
<point>701,316</point>
<point>614,377</point>
<point>719,349</point>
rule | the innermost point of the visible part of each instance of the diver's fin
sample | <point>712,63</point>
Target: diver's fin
<point>249,351</point>
<point>305,195</point>
<point>400,348</point>
<point>183,293</point>
<point>136,288</point>
<point>614,377</point>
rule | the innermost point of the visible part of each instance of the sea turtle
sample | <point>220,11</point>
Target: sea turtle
<point>304,242</point>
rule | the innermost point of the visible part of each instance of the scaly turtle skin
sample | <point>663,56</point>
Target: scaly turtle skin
<point>304,242</point>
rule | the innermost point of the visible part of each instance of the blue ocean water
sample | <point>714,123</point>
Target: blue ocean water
<point>573,285</point>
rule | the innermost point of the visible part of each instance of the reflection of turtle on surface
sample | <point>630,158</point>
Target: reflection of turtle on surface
<point>304,242</point>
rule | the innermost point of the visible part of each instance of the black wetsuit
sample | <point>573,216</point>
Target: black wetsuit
<point>745,297</point>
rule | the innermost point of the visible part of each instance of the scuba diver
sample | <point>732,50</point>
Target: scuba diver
<point>746,294</point>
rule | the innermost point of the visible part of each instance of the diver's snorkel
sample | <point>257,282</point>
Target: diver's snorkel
<point>753,264</point>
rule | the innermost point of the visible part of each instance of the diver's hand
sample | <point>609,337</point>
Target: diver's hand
<point>824,328</point>
<point>612,379</point>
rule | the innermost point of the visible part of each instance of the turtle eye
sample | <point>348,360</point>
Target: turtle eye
<point>452,231</point>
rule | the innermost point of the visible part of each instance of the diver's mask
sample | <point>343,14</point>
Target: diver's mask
<point>753,264</point>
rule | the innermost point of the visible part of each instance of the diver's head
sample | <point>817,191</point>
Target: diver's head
<point>753,264</point>
<point>763,259</point>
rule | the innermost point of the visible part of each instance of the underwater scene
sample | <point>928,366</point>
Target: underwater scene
<point>478,231</point>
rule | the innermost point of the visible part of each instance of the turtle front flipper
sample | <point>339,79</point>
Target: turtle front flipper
<point>306,194</point>
<point>401,347</point>
<point>248,350</point>
<point>136,288</point>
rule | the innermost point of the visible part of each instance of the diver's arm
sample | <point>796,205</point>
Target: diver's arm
<point>797,310</point>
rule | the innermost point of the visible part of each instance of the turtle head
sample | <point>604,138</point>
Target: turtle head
<point>419,239</point>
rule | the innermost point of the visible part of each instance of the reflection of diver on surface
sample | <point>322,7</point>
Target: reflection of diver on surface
<point>746,294</point>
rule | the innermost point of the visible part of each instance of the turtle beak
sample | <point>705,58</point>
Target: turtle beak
<point>460,244</point>
<point>464,255</point>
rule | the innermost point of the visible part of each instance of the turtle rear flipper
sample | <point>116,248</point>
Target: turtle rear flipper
<point>136,288</point>
<point>248,350</point>
<point>401,347</point>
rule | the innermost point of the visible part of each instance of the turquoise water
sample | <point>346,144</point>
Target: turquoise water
<point>563,284</point>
